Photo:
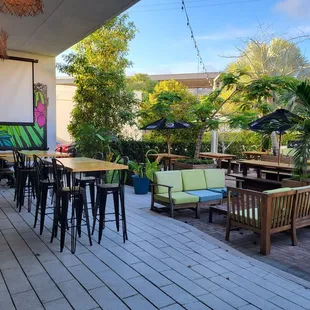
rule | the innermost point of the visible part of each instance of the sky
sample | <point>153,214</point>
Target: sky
<point>163,42</point>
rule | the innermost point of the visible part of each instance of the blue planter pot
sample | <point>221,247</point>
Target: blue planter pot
<point>141,185</point>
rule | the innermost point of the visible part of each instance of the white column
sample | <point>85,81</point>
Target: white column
<point>214,142</point>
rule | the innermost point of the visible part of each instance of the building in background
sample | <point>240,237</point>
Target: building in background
<point>198,84</point>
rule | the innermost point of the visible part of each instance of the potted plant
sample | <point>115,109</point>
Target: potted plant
<point>191,163</point>
<point>143,174</point>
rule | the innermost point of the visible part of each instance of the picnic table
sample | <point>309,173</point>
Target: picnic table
<point>168,159</point>
<point>219,157</point>
<point>254,154</point>
<point>260,165</point>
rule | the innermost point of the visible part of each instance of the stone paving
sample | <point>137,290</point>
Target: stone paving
<point>283,255</point>
<point>166,264</point>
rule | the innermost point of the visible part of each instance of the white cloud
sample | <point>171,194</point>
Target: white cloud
<point>296,8</point>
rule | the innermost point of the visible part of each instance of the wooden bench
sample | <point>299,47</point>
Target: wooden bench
<point>252,183</point>
<point>273,175</point>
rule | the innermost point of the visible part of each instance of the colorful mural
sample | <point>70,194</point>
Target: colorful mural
<point>28,137</point>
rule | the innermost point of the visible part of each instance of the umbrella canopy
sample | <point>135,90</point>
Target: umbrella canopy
<point>165,124</point>
<point>278,121</point>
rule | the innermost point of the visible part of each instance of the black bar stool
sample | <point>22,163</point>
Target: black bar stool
<point>89,179</point>
<point>65,193</point>
<point>44,184</point>
<point>25,180</point>
<point>115,185</point>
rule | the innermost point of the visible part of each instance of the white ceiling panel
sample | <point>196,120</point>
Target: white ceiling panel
<point>64,23</point>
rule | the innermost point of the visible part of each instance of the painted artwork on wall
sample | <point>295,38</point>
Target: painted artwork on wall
<point>28,137</point>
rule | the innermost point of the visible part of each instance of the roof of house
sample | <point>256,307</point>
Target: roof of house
<point>63,23</point>
<point>191,80</point>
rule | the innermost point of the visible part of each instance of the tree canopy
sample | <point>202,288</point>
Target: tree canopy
<point>98,65</point>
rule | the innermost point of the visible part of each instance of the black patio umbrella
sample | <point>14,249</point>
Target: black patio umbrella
<point>166,124</point>
<point>278,121</point>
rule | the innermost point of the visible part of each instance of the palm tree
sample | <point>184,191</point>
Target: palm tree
<point>300,94</point>
<point>278,58</point>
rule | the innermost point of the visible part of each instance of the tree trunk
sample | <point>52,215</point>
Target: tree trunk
<point>274,143</point>
<point>199,141</point>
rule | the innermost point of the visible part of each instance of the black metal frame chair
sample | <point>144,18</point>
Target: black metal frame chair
<point>44,184</point>
<point>118,191</point>
<point>65,193</point>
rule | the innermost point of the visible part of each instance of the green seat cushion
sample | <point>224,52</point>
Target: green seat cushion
<point>193,179</point>
<point>215,178</point>
<point>171,178</point>
<point>278,190</point>
<point>206,195</point>
<point>177,198</point>
<point>302,187</point>
<point>250,214</point>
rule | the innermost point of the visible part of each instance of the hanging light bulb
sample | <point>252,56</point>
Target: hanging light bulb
<point>22,8</point>
<point>3,44</point>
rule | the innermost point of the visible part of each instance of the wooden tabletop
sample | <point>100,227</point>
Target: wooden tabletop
<point>84,164</point>
<point>266,164</point>
<point>45,154</point>
<point>167,156</point>
<point>6,154</point>
<point>255,153</point>
<point>216,155</point>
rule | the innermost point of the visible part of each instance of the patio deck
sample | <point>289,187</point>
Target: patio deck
<point>166,264</point>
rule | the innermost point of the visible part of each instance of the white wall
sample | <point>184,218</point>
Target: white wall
<point>45,74</point>
<point>64,106</point>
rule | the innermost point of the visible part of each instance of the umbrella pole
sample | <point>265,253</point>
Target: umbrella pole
<point>279,154</point>
<point>169,144</point>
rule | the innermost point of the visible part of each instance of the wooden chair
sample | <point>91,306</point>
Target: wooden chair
<point>263,213</point>
<point>301,216</point>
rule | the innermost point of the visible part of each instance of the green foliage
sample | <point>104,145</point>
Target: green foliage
<point>196,161</point>
<point>98,65</point>
<point>301,94</point>
<point>145,169</point>
<point>141,82</point>
<point>172,100</point>
<point>278,57</point>
<point>90,140</point>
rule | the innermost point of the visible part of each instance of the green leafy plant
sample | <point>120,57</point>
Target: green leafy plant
<point>90,140</point>
<point>193,161</point>
<point>146,169</point>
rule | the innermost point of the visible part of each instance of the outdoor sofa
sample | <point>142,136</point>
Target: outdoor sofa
<point>182,189</point>
<point>268,212</point>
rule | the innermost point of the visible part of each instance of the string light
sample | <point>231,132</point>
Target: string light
<point>204,69</point>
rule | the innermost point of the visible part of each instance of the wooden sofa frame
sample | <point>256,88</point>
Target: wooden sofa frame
<point>170,204</point>
<point>241,202</point>
<point>277,212</point>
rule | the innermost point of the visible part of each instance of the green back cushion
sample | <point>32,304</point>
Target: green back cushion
<point>215,178</point>
<point>302,187</point>
<point>193,179</point>
<point>278,190</point>
<point>171,178</point>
